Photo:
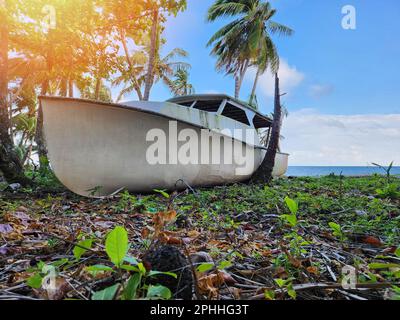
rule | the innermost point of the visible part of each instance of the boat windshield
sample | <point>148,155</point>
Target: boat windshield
<point>226,106</point>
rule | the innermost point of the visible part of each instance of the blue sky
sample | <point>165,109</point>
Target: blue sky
<point>343,71</point>
<point>343,85</point>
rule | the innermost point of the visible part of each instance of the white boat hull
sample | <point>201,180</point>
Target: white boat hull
<point>96,149</point>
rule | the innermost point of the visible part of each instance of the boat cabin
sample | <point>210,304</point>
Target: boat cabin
<point>227,106</point>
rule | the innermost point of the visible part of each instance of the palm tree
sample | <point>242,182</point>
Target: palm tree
<point>164,69</point>
<point>181,85</point>
<point>10,164</point>
<point>246,41</point>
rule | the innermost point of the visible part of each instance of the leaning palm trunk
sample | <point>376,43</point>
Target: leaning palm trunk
<point>239,79</point>
<point>10,164</point>
<point>264,172</point>
<point>253,91</point>
<point>152,56</point>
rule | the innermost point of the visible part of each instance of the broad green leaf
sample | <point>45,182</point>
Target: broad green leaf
<point>397,252</point>
<point>35,281</point>
<point>292,205</point>
<point>106,294</point>
<point>79,251</point>
<point>158,292</point>
<point>156,273</point>
<point>132,286</point>
<point>117,245</point>
<point>204,267</point>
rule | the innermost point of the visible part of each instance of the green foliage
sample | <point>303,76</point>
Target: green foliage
<point>117,245</point>
<point>390,191</point>
<point>82,247</point>
<point>106,294</point>
<point>337,231</point>
<point>291,219</point>
<point>158,292</point>
<point>288,285</point>
<point>387,170</point>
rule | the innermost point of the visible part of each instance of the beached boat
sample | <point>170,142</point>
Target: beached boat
<point>97,148</point>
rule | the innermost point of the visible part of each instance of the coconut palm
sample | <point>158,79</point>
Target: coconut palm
<point>181,85</point>
<point>165,68</point>
<point>246,41</point>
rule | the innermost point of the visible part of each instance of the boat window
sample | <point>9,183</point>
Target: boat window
<point>209,106</point>
<point>187,104</point>
<point>235,113</point>
<point>261,122</point>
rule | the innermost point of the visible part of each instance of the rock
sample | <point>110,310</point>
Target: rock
<point>170,259</point>
<point>361,213</point>
<point>14,186</point>
<point>200,257</point>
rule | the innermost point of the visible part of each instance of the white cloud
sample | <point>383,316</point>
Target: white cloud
<point>319,91</point>
<point>289,78</point>
<point>333,140</point>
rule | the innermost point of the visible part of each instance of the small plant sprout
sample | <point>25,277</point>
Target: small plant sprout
<point>291,219</point>
<point>387,170</point>
<point>129,287</point>
<point>337,231</point>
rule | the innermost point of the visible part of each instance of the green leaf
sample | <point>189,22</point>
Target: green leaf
<point>79,251</point>
<point>397,252</point>
<point>132,286</point>
<point>35,281</point>
<point>131,260</point>
<point>158,292</point>
<point>106,294</point>
<point>204,267</point>
<point>376,266</point>
<point>292,205</point>
<point>156,273</point>
<point>117,245</point>
<point>335,227</point>
<point>292,293</point>
<point>280,282</point>
<point>224,264</point>
<point>290,218</point>
<point>99,267</point>
<point>163,193</point>
<point>128,267</point>
<point>269,294</point>
<point>142,268</point>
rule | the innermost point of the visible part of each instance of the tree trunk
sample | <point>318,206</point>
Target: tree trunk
<point>264,172</point>
<point>152,57</point>
<point>97,89</point>
<point>10,164</point>
<point>128,58</point>
<point>239,79</point>
<point>253,91</point>
<point>63,87</point>
<point>237,87</point>
<point>70,88</point>
<point>39,136</point>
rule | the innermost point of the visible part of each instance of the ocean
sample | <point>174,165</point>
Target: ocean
<point>297,171</point>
